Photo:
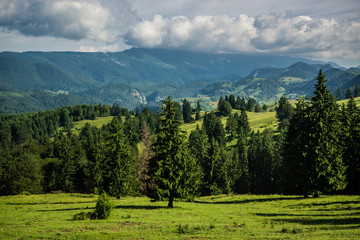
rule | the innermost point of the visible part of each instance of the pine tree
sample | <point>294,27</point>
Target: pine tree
<point>198,110</point>
<point>243,128</point>
<point>339,94</point>
<point>215,174</point>
<point>232,101</point>
<point>214,128</point>
<point>314,154</point>
<point>198,142</point>
<point>224,107</point>
<point>242,184</point>
<point>172,169</point>
<point>118,166</point>
<point>231,126</point>
<point>348,94</point>
<point>250,104</point>
<point>187,112</point>
<point>284,110</point>
<point>357,91</point>
<point>351,143</point>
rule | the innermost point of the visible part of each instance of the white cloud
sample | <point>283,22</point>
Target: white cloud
<point>203,33</point>
<point>310,28</point>
<point>266,33</point>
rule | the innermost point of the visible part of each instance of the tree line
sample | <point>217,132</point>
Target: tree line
<point>314,150</point>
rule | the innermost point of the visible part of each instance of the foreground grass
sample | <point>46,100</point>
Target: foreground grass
<point>220,217</point>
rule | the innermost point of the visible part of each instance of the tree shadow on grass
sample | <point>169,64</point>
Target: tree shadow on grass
<point>322,221</point>
<point>252,200</point>
<point>304,215</point>
<point>327,203</point>
<point>39,203</point>
<point>140,207</point>
<point>62,209</point>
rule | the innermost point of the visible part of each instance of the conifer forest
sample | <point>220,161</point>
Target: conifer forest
<point>314,150</point>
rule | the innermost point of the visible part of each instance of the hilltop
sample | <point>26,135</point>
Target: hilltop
<point>34,81</point>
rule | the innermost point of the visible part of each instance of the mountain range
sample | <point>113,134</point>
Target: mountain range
<point>34,81</point>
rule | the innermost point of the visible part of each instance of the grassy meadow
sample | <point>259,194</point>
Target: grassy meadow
<point>49,216</point>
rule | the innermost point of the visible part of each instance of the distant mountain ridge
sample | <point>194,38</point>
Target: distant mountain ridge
<point>269,84</point>
<point>143,76</point>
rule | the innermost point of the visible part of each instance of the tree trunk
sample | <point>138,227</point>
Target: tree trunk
<point>171,201</point>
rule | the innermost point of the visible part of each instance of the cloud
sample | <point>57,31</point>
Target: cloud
<point>79,19</point>
<point>203,33</point>
<point>275,33</point>
<point>209,26</point>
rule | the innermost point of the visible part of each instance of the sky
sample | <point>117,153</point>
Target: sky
<point>326,30</point>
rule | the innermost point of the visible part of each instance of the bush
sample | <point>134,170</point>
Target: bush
<point>82,216</point>
<point>25,193</point>
<point>103,207</point>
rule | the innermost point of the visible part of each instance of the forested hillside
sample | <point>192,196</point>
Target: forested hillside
<point>313,150</point>
<point>34,81</point>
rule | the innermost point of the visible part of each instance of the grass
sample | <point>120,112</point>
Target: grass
<point>258,121</point>
<point>98,122</point>
<point>50,216</point>
<point>357,101</point>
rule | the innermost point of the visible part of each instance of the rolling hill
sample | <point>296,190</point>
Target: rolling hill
<point>33,81</point>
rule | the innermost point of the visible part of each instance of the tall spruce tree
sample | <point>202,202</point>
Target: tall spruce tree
<point>118,166</point>
<point>187,111</point>
<point>173,170</point>
<point>198,110</point>
<point>351,143</point>
<point>348,94</point>
<point>284,110</point>
<point>242,184</point>
<point>243,126</point>
<point>313,154</point>
<point>357,91</point>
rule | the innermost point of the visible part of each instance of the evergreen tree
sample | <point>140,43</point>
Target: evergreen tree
<point>242,182</point>
<point>231,126</point>
<point>243,128</point>
<point>348,94</point>
<point>172,169</point>
<point>198,142</point>
<point>215,170</point>
<point>224,107</point>
<point>178,113</point>
<point>351,143</point>
<point>264,107</point>
<point>258,108</point>
<point>198,110</point>
<point>357,91</point>
<point>250,104</point>
<point>284,109</point>
<point>118,166</point>
<point>214,128</point>
<point>314,154</point>
<point>232,101</point>
<point>187,112</point>
<point>339,94</point>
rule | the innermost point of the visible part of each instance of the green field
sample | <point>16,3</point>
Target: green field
<point>218,217</point>
<point>258,121</point>
<point>98,122</point>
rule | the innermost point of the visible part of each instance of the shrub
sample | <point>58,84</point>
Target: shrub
<point>25,193</point>
<point>103,207</point>
<point>183,229</point>
<point>82,216</point>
